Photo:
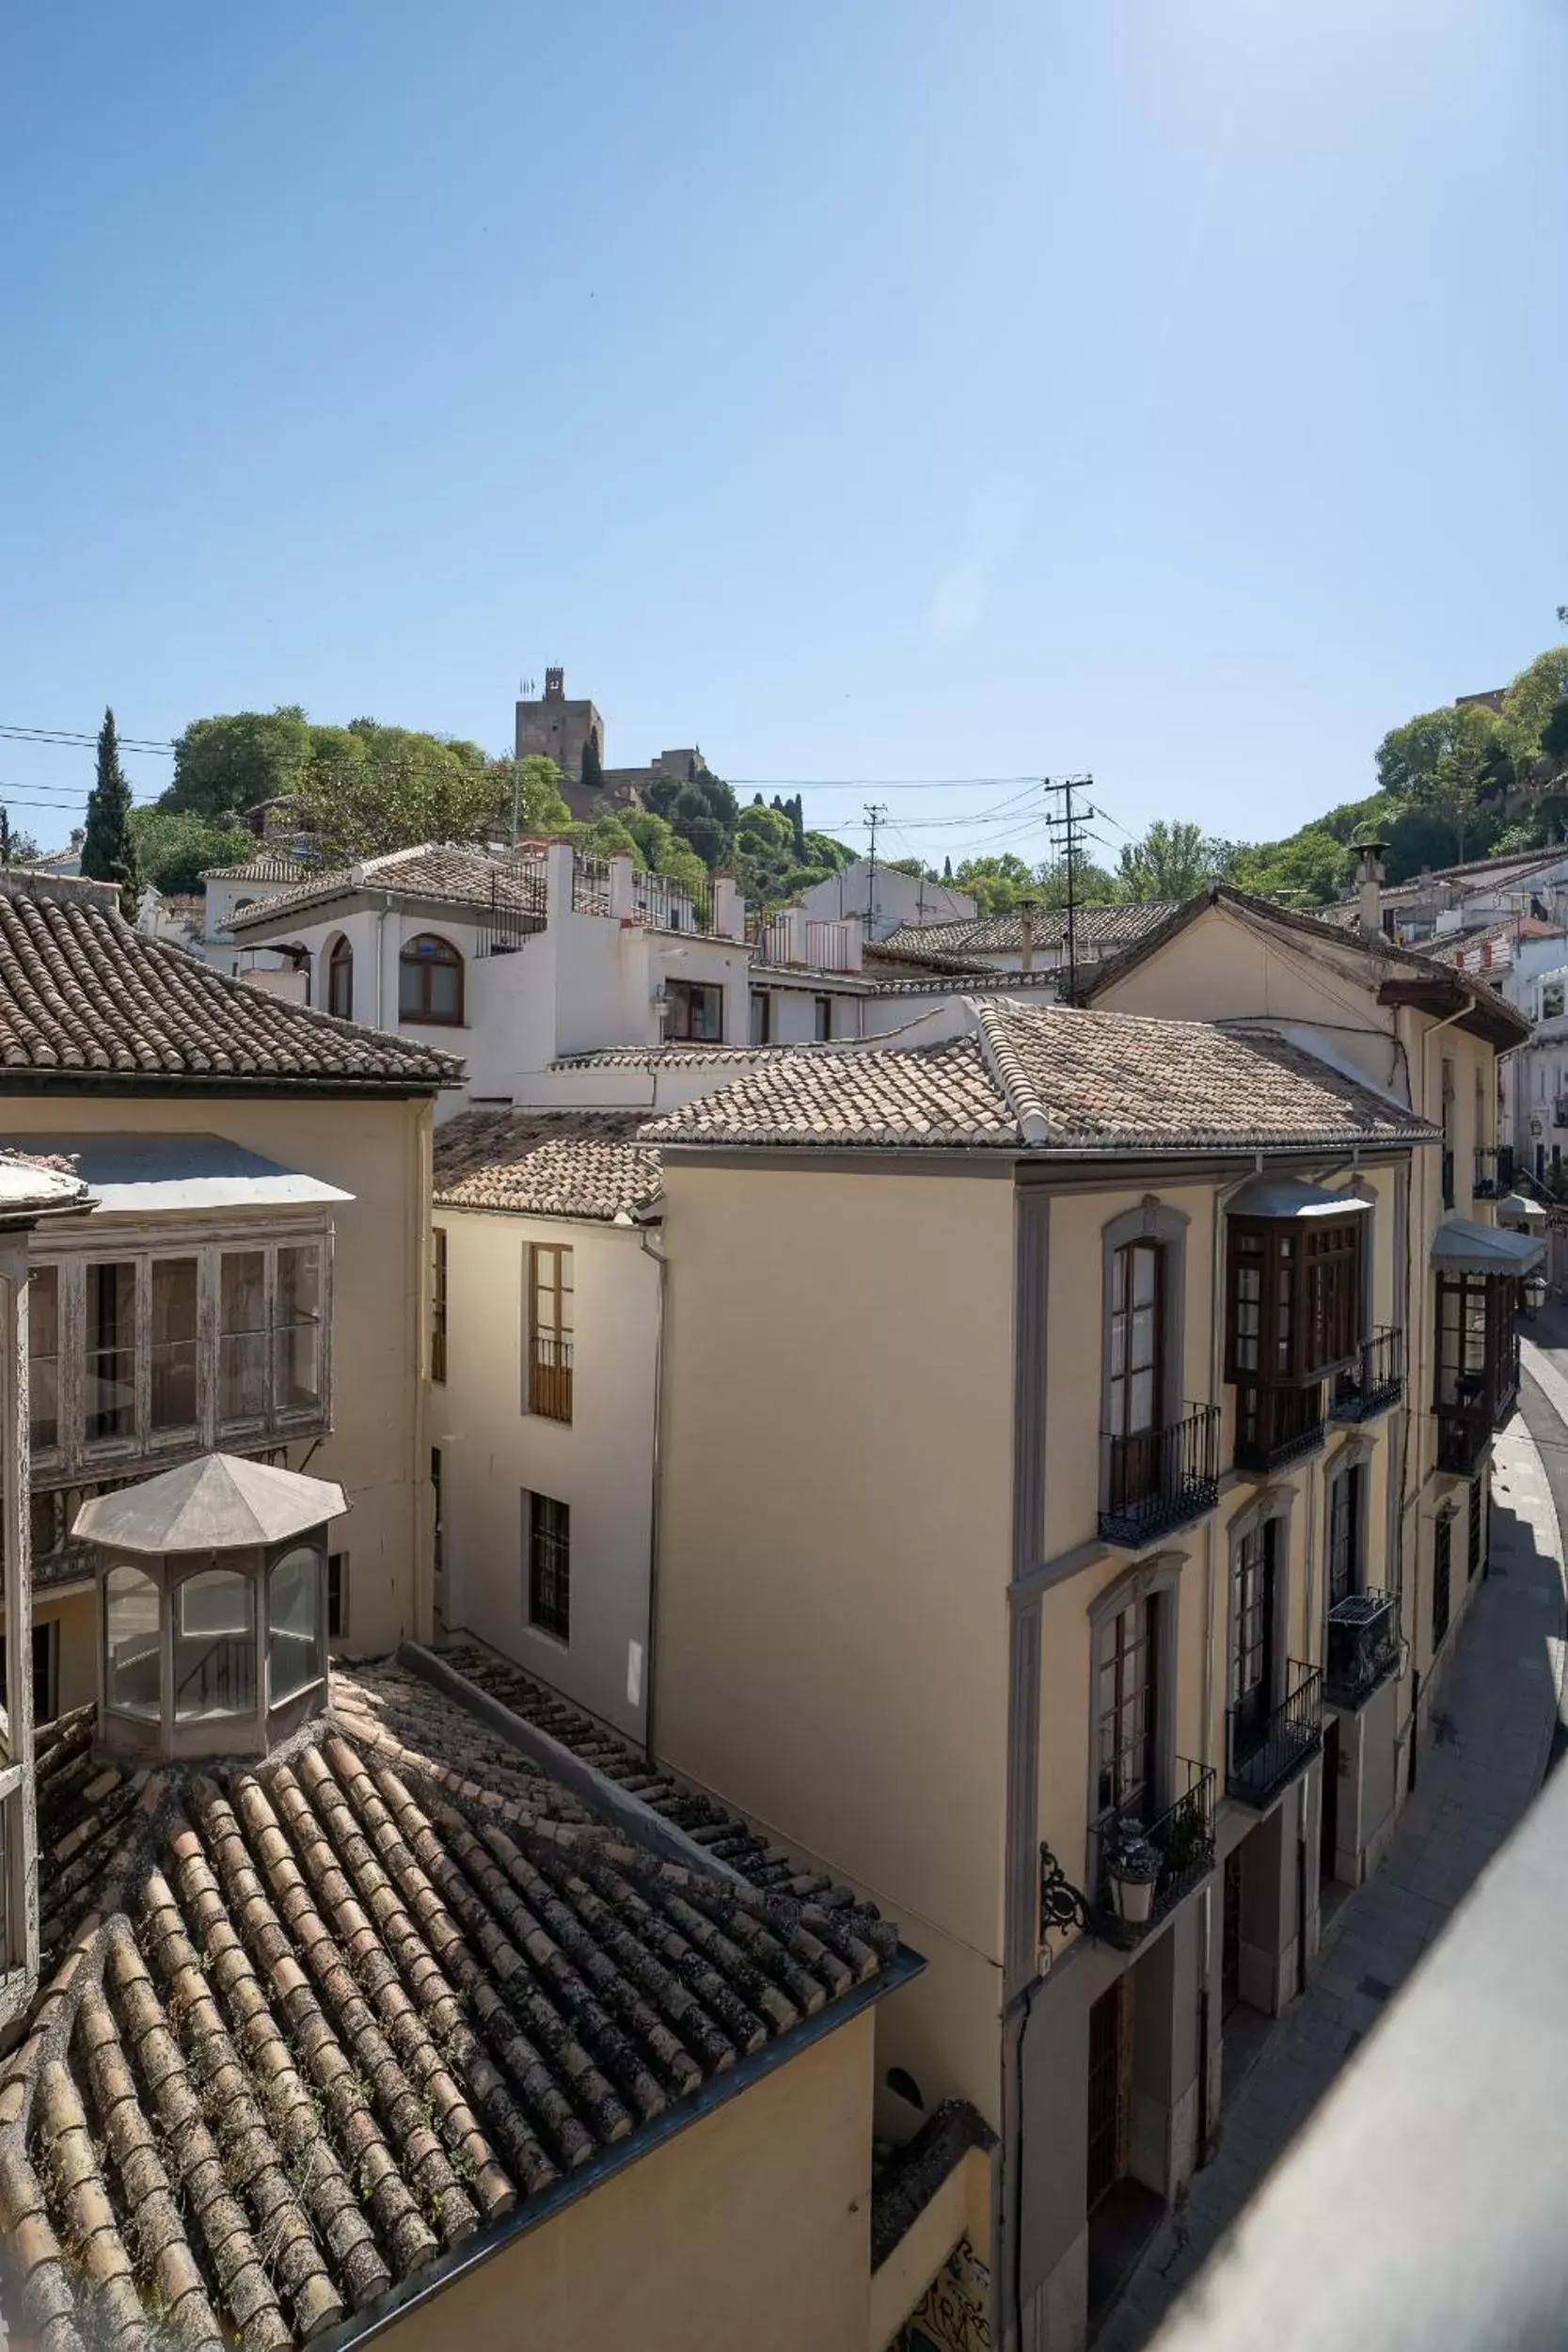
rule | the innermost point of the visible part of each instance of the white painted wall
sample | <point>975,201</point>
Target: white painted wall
<point>901,898</point>
<point>601,1463</point>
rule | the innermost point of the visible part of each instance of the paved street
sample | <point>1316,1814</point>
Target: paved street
<point>1496,1735</point>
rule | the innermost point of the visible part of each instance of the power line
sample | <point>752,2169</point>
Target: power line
<point>77,741</point>
<point>875,784</point>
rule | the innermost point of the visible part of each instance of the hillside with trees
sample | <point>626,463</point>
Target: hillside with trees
<point>1463,781</point>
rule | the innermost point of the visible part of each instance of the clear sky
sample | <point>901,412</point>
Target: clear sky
<point>861,389</point>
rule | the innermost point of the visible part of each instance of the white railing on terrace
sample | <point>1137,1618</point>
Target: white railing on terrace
<point>792,938</point>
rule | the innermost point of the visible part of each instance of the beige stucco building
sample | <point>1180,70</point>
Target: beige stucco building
<point>254,1272</point>
<point>1031,1493</point>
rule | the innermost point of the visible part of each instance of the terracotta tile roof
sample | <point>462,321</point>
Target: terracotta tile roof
<point>1314,933</point>
<point>664,1057</point>
<point>268,866</point>
<point>968,983</point>
<point>311,2026</point>
<point>83,993</point>
<point>1096,930</point>
<point>455,872</point>
<point>567,1163</point>
<point>1040,1078</point>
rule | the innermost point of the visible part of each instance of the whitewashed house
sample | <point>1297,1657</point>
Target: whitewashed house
<point>883,899</point>
<point>548,1291</point>
<point>556,975</point>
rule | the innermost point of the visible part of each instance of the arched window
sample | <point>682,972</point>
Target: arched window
<point>430,982</point>
<point>214,1645</point>
<point>339,979</point>
<point>133,1644</point>
<point>293,1623</point>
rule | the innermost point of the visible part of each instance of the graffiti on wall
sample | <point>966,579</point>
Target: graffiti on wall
<point>953,2314</point>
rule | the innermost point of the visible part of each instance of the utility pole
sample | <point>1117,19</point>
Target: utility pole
<point>1067,831</point>
<point>876,814</point>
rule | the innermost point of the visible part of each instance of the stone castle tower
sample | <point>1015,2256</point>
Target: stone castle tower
<point>561,730</point>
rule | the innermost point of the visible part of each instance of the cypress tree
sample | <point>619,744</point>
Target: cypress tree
<point>108,844</point>
<point>592,767</point>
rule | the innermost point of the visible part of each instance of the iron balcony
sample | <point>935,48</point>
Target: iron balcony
<point>1265,1750</point>
<point>1157,1479</point>
<point>1374,1381</point>
<point>1278,1425</point>
<point>1182,1834</point>
<point>1363,1648</point>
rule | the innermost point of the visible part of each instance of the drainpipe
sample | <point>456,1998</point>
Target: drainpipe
<point>656,1487</point>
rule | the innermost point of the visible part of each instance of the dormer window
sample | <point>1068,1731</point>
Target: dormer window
<point>212,1607</point>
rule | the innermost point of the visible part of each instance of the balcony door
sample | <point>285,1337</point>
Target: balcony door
<point>1126,1708</point>
<point>1254,1579</point>
<point>1137,1340</point>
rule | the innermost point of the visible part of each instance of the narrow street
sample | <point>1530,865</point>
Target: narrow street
<point>1498,1732</point>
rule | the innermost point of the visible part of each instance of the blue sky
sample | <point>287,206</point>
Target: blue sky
<point>865,390</point>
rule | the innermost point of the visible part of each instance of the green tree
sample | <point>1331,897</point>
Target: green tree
<point>1532,705</point>
<point>16,849</point>
<point>1308,869</point>
<point>592,772</point>
<point>224,766</point>
<point>175,847</point>
<point>1172,862</point>
<point>1091,884</point>
<point>996,884</point>
<point>109,845</point>
<point>399,795</point>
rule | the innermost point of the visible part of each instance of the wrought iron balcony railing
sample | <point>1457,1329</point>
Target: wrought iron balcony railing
<point>1376,1380</point>
<point>1266,1747</point>
<point>1184,1838</point>
<point>1157,1479</point>
<point>1484,1184</point>
<point>549,1378</point>
<point>1363,1646</point>
<point>1278,1425</point>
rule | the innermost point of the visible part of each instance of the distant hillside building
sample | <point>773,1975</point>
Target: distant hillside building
<point>571,734</point>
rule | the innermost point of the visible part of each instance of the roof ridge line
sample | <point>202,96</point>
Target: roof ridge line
<point>1004,1065</point>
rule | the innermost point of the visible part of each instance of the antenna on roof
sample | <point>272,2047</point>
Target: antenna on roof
<point>526,689</point>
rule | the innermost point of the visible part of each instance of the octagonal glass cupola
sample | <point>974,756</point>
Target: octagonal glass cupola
<point>212,1607</point>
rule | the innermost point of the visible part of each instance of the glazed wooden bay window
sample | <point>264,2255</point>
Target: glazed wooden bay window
<point>1293,1318</point>
<point>549,1326</point>
<point>158,1350</point>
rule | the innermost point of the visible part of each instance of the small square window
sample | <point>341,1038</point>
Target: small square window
<point>695,1011</point>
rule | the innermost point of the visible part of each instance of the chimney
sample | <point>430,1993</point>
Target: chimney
<point>1370,875</point>
<point>1027,910</point>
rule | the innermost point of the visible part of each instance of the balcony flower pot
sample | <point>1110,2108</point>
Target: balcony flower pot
<point>1133,1869</point>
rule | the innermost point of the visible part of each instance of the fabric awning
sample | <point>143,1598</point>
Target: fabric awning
<point>1289,1196</point>
<point>1461,1246</point>
<point>1514,1210</point>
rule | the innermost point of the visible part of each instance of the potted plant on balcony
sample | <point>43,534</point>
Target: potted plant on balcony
<point>1133,1867</point>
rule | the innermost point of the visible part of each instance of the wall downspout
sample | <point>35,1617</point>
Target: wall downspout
<point>656,1491</point>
